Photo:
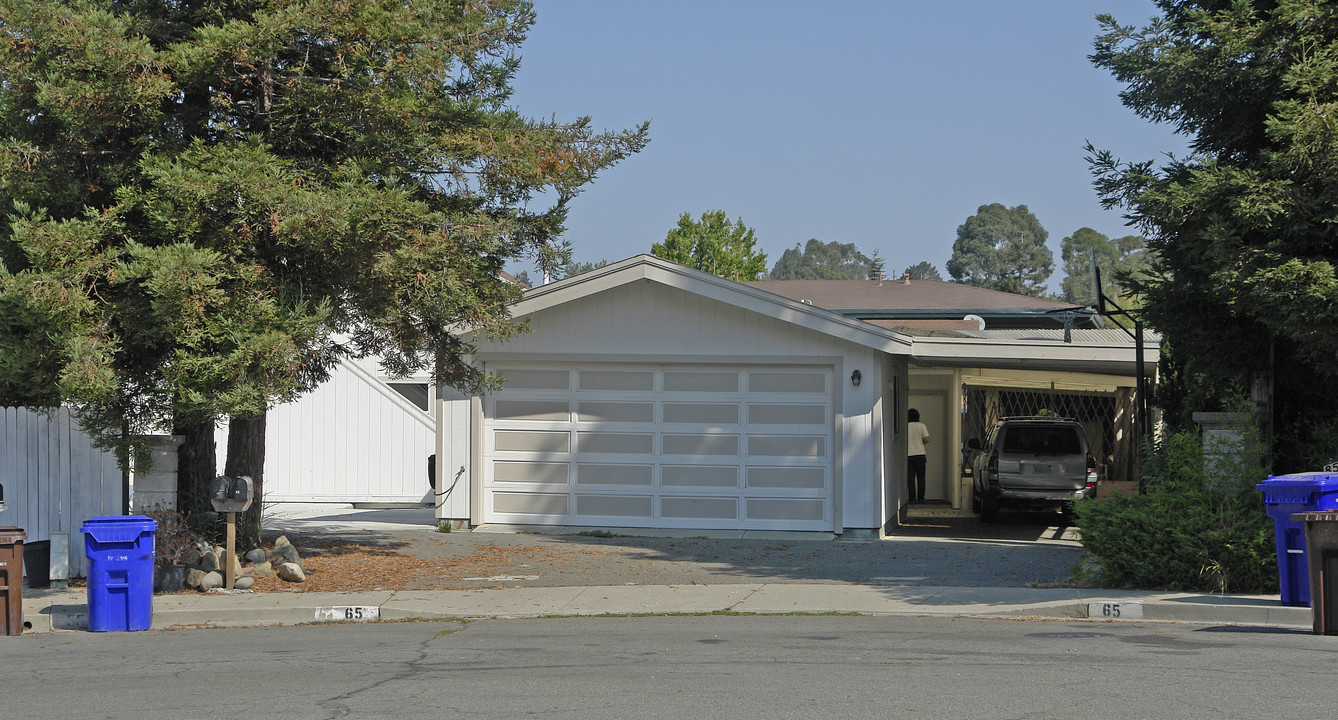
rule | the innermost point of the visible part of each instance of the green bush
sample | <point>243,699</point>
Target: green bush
<point>1201,525</point>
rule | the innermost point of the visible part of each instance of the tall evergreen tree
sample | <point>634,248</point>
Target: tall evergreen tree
<point>1002,248</point>
<point>204,204</point>
<point>1120,260</point>
<point>818,260</point>
<point>1244,244</point>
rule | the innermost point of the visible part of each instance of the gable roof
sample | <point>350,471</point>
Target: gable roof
<point>919,300</point>
<point>741,295</point>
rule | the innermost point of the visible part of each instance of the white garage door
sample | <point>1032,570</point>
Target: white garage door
<point>673,446</point>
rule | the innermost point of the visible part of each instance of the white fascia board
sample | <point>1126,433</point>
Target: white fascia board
<point>647,267</point>
<point>1114,359</point>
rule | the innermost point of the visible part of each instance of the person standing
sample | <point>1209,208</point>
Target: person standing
<point>917,436</point>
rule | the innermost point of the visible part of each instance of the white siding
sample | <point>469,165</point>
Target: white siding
<point>353,439</point>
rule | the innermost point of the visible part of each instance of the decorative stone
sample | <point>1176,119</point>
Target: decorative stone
<point>256,555</point>
<point>284,552</point>
<point>209,560</point>
<point>262,569</point>
<point>243,583</point>
<point>211,580</point>
<point>194,576</point>
<point>236,565</point>
<point>291,572</point>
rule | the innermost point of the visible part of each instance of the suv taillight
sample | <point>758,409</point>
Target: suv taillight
<point>1091,470</point>
<point>992,468</point>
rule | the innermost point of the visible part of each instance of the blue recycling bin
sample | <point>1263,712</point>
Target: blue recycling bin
<point>1283,496</point>
<point>120,572</point>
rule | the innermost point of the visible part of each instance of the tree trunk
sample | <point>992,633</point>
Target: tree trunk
<point>196,465</point>
<point>246,456</point>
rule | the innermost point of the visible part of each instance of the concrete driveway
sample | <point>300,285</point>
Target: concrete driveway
<point>935,547</point>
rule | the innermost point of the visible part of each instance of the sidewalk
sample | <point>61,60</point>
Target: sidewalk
<point>47,610</point>
<point>761,576</point>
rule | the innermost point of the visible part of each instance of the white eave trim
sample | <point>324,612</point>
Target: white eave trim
<point>1119,359</point>
<point>647,267</point>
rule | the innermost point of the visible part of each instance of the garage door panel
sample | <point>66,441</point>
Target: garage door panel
<point>785,509</point>
<point>806,478</point>
<point>631,506</point>
<point>617,380</point>
<point>529,503</point>
<point>606,474</point>
<point>787,382</point>
<point>615,412</point>
<point>716,476</point>
<point>558,410</point>
<point>615,443</point>
<point>806,446</point>
<point>676,446</point>
<point>787,414</point>
<point>535,379</point>
<point>700,508</point>
<point>531,441</point>
<point>701,381</point>
<point>701,413</point>
<point>551,473</point>
<point>701,444</point>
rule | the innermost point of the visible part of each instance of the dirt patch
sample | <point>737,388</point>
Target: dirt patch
<point>336,565</point>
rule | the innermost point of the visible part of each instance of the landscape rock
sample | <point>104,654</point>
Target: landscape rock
<point>291,572</point>
<point>243,583</point>
<point>224,558</point>
<point>262,569</point>
<point>284,552</point>
<point>194,576</point>
<point>211,580</point>
<point>257,555</point>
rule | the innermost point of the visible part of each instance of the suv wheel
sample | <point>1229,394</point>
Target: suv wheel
<point>989,509</point>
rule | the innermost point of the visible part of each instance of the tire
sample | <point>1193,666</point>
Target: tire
<point>989,509</point>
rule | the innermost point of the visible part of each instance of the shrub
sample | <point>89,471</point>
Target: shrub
<point>1200,526</point>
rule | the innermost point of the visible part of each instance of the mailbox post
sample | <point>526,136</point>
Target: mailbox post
<point>231,495</point>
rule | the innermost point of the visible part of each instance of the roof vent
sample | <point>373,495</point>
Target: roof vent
<point>979,321</point>
<point>906,279</point>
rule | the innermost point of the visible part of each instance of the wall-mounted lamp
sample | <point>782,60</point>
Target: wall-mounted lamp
<point>855,377</point>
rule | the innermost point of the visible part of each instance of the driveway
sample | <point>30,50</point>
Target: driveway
<point>935,547</point>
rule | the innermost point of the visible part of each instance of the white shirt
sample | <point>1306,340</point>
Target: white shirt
<point>918,435</point>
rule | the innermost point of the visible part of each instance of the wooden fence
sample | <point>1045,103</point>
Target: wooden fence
<point>54,478</point>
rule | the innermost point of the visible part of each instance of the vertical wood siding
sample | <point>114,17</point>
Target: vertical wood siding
<point>353,439</point>
<point>54,478</point>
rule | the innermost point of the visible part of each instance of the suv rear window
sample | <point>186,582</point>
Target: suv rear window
<point>1042,440</point>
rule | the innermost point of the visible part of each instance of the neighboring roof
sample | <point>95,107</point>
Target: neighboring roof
<point>917,299</point>
<point>741,295</point>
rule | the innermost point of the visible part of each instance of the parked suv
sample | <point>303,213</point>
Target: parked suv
<point>1031,462</point>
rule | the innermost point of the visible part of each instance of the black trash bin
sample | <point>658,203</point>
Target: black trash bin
<point>37,563</point>
<point>1321,540</point>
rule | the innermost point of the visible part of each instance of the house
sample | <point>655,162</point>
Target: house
<point>959,399</point>
<point>649,394</point>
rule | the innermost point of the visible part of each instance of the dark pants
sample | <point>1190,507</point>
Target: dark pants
<point>915,477</point>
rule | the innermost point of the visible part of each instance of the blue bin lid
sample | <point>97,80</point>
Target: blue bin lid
<point>1297,488</point>
<point>118,529</point>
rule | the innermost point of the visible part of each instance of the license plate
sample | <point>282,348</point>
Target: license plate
<point>1042,469</point>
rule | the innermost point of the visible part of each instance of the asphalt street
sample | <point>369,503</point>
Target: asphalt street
<point>672,667</point>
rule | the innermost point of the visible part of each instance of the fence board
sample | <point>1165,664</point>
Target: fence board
<point>54,477</point>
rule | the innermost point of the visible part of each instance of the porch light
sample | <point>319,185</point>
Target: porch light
<point>855,377</point>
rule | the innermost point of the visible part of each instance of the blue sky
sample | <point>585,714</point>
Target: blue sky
<point>883,124</point>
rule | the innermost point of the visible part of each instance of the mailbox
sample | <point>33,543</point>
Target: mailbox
<point>231,494</point>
